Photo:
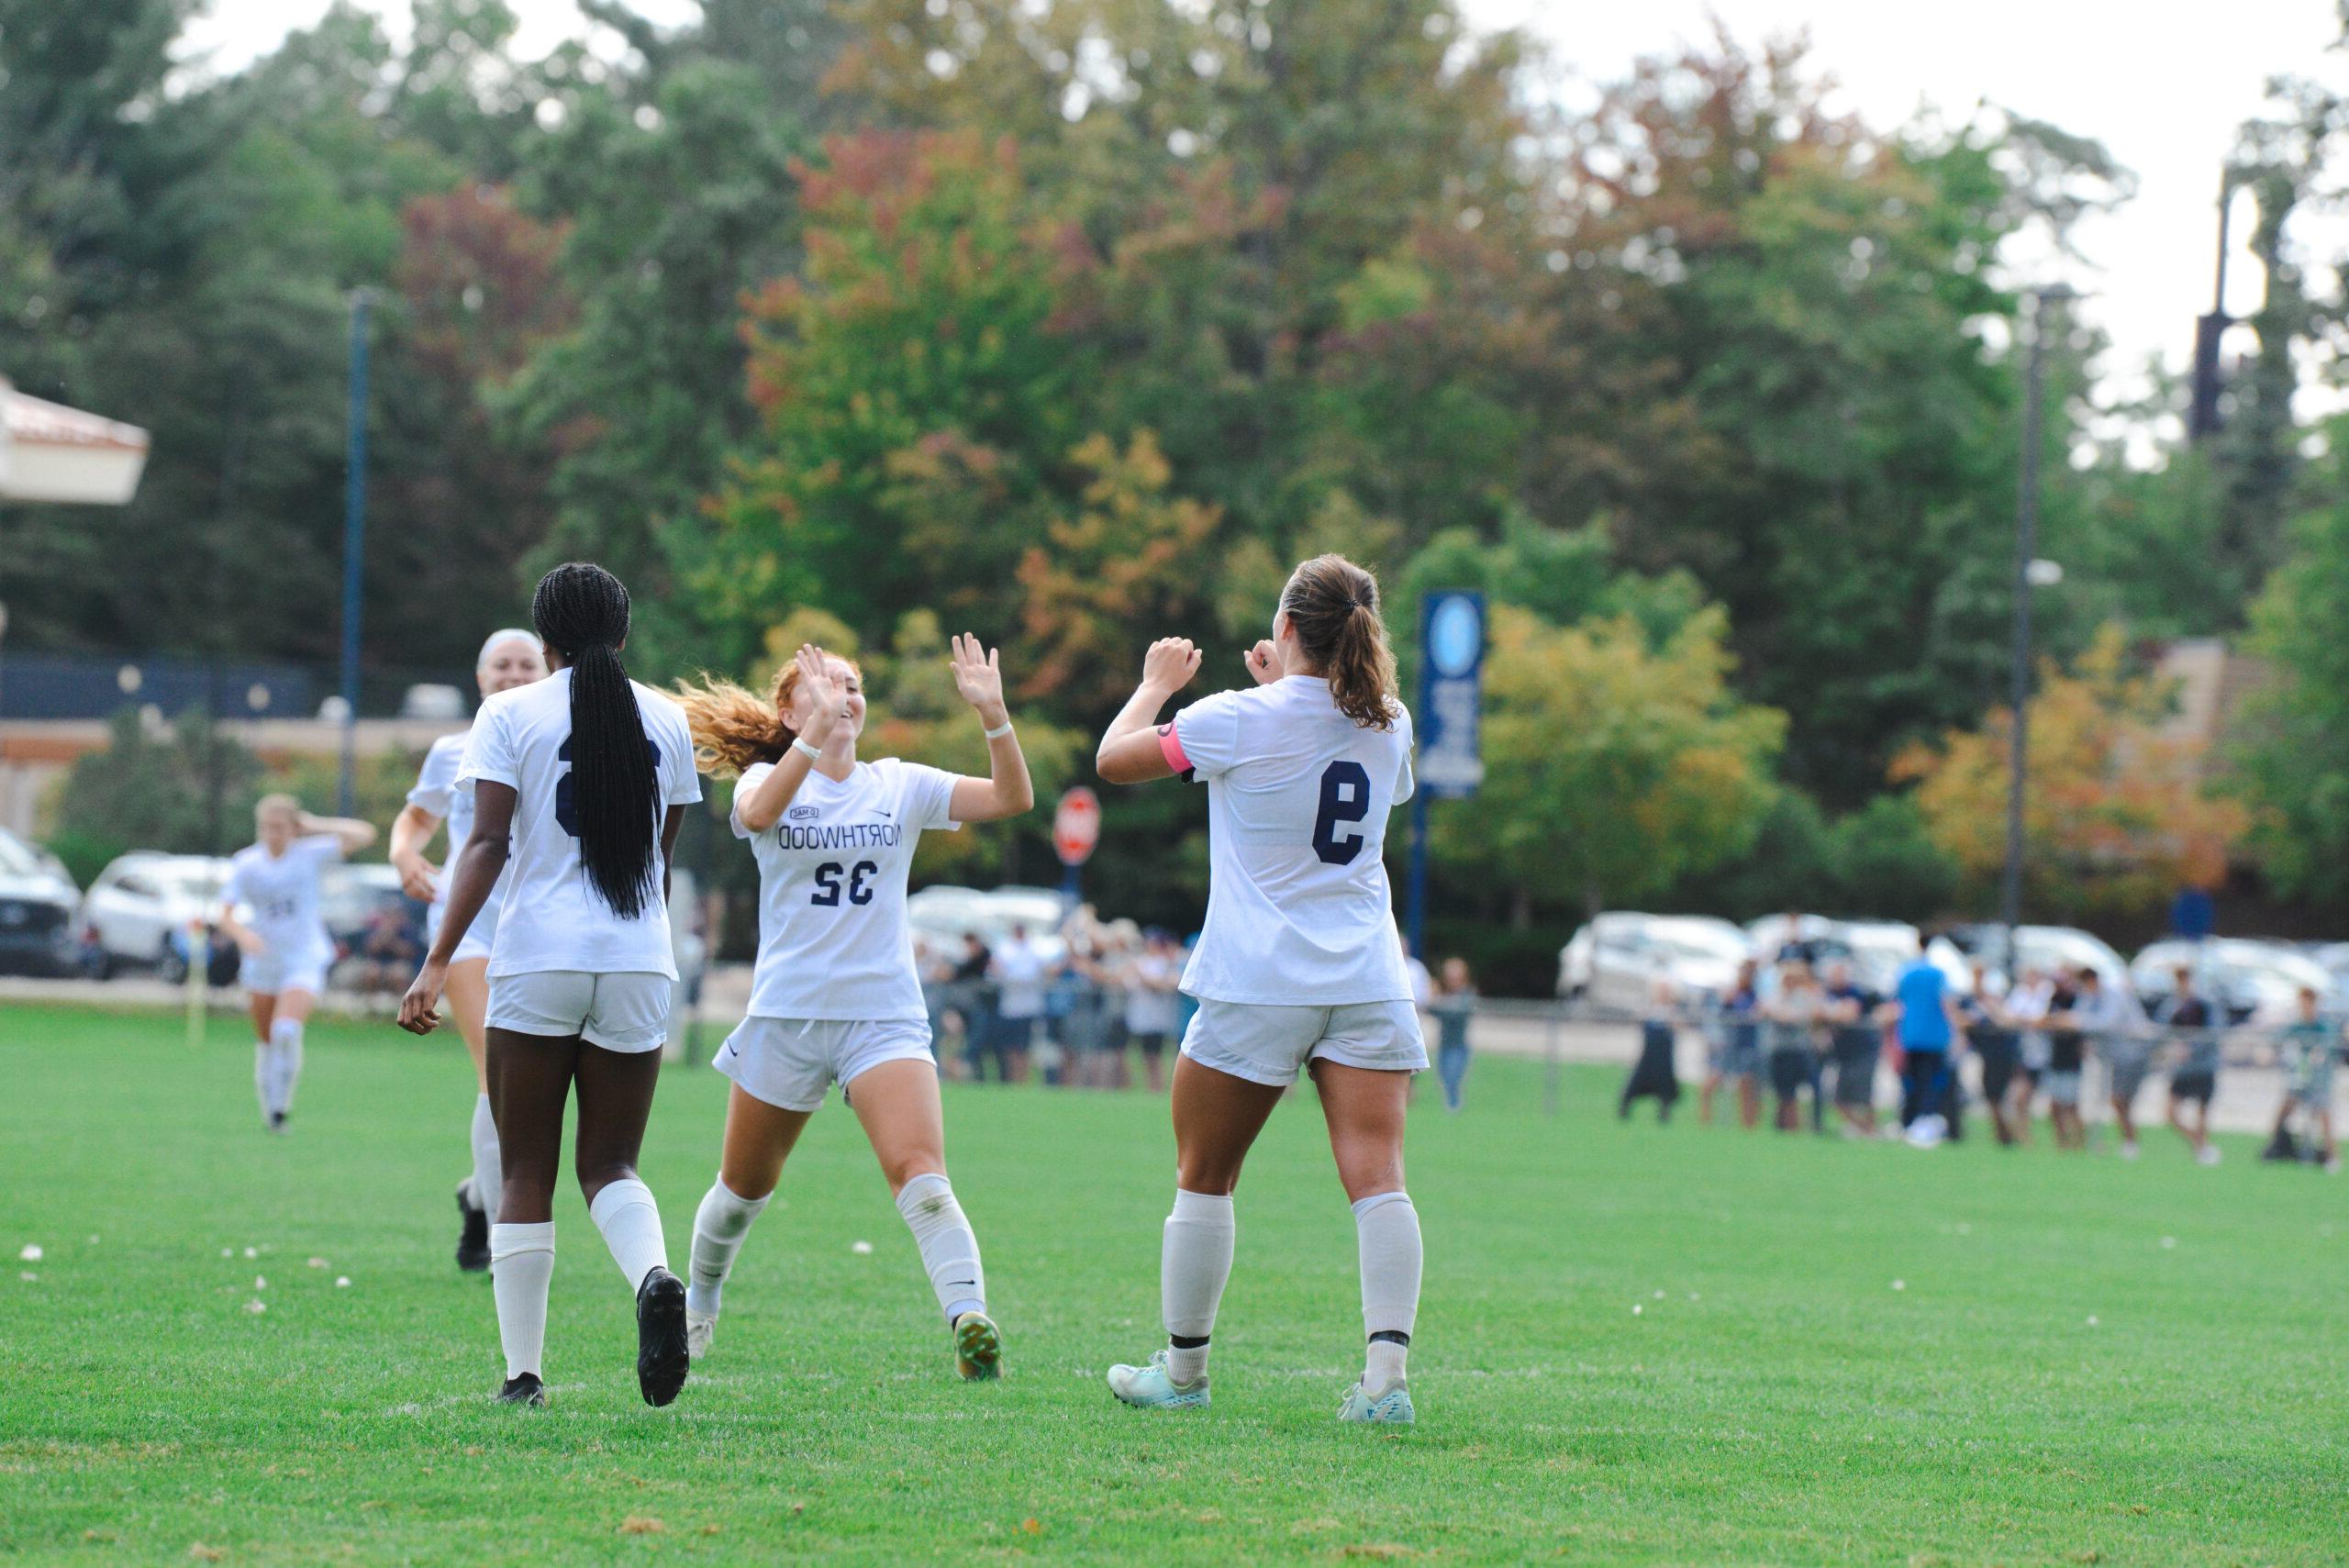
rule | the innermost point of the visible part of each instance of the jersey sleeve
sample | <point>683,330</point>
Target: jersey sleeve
<point>743,786</point>
<point>436,782</point>
<point>323,848</point>
<point>927,797</point>
<point>681,781</point>
<point>1204,740</point>
<point>489,751</point>
<point>232,890</point>
<point>1405,782</point>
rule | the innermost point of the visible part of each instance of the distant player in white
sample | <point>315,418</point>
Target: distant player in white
<point>286,949</point>
<point>835,996</point>
<point>580,781</point>
<point>511,658</point>
<point>1299,966</point>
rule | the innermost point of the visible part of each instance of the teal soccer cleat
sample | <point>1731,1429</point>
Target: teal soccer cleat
<point>1392,1409</point>
<point>1149,1387</point>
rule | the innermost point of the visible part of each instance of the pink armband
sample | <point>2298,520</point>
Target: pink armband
<point>1170,746</point>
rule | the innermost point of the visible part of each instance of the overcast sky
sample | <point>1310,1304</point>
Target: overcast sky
<point>2164,88</point>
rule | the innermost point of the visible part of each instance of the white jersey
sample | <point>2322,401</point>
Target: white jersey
<point>833,939</point>
<point>436,791</point>
<point>283,892</point>
<point>553,918</point>
<point>1298,911</point>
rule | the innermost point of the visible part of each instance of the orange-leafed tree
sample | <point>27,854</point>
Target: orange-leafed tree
<point>2115,816</point>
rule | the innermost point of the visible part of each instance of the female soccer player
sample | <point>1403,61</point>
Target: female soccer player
<point>511,658</point>
<point>1300,965</point>
<point>286,949</point>
<point>834,997</point>
<point>580,781</point>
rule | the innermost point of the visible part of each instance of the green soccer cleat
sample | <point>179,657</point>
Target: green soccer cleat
<point>1149,1388</point>
<point>978,1348</point>
<point>1392,1409</point>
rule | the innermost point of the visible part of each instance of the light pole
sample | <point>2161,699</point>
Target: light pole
<point>354,546</point>
<point>2029,571</point>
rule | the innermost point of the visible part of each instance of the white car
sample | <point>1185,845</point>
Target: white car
<point>944,914</point>
<point>2258,982</point>
<point>140,908</point>
<point>1617,960</point>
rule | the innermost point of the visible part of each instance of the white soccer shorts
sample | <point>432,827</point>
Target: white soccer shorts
<point>790,1063</point>
<point>626,1012</point>
<point>1272,1044</point>
<point>273,971</point>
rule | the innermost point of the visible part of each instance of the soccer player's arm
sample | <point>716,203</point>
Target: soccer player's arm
<point>760,807</point>
<point>349,833</point>
<point>418,821</point>
<point>1006,791</point>
<point>1133,749</point>
<point>248,941</point>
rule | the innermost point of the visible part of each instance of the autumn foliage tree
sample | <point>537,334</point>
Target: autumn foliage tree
<point>2115,818</point>
<point>1614,764</point>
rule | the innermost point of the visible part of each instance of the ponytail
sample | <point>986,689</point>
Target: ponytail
<point>582,611</point>
<point>733,729</point>
<point>1333,605</point>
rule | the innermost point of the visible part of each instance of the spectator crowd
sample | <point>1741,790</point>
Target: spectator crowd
<point>1799,1030</point>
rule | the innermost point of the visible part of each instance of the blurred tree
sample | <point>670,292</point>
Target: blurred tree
<point>185,790</point>
<point>2294,756</point>
<point>1613,766</point>
<point>677,207</point>
<point>917,407</point>
<point>2115,818</point>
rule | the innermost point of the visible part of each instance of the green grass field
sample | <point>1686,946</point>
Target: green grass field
<point>1636,1345</point>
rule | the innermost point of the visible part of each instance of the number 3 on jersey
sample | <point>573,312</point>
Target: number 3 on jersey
<point>828,885</point>
<point>1345,797</point>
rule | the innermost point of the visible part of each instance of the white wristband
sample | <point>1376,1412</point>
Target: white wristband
<point>1000,730</point>
<point>801,744</point>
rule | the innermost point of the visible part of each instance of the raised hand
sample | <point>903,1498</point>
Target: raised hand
<point>826,706</point>
<point>1170,664</point>
<point>978,676</point>
<point>1264,661</point>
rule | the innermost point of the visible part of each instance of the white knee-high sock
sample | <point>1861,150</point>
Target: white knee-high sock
<point>285,1041</point>
<point>521,1266</point>
<point>721,1226</point>
<point>489,1172</point>
<point>265,1075</point>
<point>624,1211</point>
<point>1195,1263</point>
<point>950,1251</point>
<point>1388,1228</point>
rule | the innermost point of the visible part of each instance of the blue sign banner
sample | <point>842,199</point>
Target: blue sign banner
<point>1451,679</point>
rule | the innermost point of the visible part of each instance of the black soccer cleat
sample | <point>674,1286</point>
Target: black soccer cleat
<point>473,1241</point>
<point>277,1121</point>
<point>660,1355</point>
<point>525,1390</point>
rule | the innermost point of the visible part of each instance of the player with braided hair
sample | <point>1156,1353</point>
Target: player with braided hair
<point>580,781</point>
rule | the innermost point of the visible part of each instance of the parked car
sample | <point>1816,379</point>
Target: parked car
<point>2259,982</point>
<point>139,910</point>
<point>36,904</point>
<point>943,914</point>
<point>1616,961</point>
<point>2043,947</point>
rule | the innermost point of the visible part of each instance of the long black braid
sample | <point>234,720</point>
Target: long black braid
<point>582,611</point>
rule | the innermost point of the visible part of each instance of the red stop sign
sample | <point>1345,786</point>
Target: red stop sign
<point>1077,826</point>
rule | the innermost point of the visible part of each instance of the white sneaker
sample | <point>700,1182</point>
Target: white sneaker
<point>1392,1409</point>
<point>699,1326</point>
<point>1151,1387</point>
<point>2129,1150</point>
<point>2207,1155</point>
